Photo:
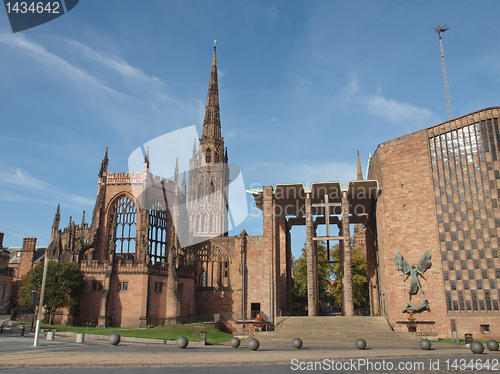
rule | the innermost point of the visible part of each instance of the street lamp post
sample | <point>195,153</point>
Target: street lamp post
<point>37,331</point>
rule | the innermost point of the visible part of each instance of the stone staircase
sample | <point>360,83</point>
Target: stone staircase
<point>336,331</point>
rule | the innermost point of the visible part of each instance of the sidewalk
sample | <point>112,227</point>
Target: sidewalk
<point>19,352</point>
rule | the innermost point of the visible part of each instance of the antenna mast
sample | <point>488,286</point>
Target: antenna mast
<point>449,109</point>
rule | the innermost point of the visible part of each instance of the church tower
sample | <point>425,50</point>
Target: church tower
<point>209,172</point>
<point>211,141</point>
<point>359,238</point>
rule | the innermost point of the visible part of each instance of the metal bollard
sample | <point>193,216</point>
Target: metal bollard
<point>22,330</point>
<point>1,329</point>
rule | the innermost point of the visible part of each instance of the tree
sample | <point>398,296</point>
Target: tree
<point>359,278</point>
<point>63,287</point>
<point>325,275</point>
<point>328,272</point>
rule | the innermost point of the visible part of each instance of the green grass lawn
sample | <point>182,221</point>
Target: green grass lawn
<point>460,341</point>
<point>192,332</point>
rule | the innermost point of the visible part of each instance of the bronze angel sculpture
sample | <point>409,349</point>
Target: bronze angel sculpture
<point>413,273</point>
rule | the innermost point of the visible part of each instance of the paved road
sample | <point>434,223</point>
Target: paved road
<point>19,356</point>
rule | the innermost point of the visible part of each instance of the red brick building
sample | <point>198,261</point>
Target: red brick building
<point>435,190</point>
<point>440,193</point>
<point>6,278</point>
<point>137,273</point>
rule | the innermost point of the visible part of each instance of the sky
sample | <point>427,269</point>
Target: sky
<point>302,84</point>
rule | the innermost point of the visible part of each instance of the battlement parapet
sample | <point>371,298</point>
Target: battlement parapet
<point>129,267</point>
<point>121,177</point>
<point>158,267</point>
<point>93,266</point>
<point>140,178</point>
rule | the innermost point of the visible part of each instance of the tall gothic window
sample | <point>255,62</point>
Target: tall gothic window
<point>209,156</point>
<point>158,233</point>
<point>203,279</point>
<point>201,191</point>
<point>205,222</point>
<point>211,227</point>
<point>212,266</point>
<point>126,221</point>
<point>198,224</point>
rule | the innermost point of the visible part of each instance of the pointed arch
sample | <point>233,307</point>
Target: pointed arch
<point>158,232</point>
<point>219,252</point>
<point>211,225</point>
<point>208,156</point>
<point>213,261</point>
<point>205,222</point>
<point>198,223</point>
<point>201,191</point>
<point>125,226</point>
<point>203,279</point>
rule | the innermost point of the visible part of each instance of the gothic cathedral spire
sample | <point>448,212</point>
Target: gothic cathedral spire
<point>211,141</point>
<point>207,200</point>
<point>360,170</point>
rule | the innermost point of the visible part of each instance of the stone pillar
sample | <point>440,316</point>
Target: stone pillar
<point>143,320</point>
<point>269,230</point>
<point>281,265</point>
<point>243,272</point>
<point>172,305</point>
<point>104,317</point>
<point>347,300</point>
<point>371,261</point>
<point>312,278</point>
<point>289,266</point>
<point>315,267</point>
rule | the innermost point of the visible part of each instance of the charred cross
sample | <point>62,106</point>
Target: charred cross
<point>327,205</point>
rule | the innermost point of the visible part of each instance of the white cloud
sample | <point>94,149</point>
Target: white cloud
<point>18,186</point>
<point>398,112</point>
<point>122,104</point>
<point>350,90</point>
<point>19,41</point>
<point>118,65</point>
<point>303,173</point>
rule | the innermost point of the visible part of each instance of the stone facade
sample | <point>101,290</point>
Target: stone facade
<point>440,193</point>
<point>138,274</point>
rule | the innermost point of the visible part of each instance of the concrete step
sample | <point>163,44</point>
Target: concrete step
<point>336,331</point>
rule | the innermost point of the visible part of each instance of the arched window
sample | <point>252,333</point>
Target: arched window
<point>203,279</point>
<point>205,222</point>
<point>211,227</point>
<point>200,190</point>
<point>209,156</point>
<point>126,221</point>
<point>158,233</point>
<point>198,224</point>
